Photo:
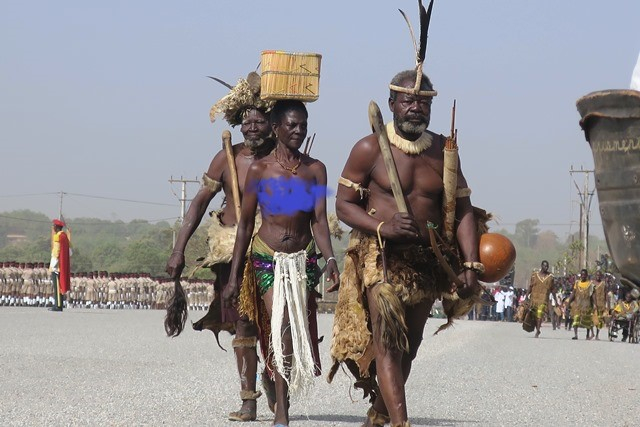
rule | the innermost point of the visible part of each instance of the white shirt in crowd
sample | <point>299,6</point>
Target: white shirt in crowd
<point>499,302</point>
<point>508,298</point>
<point>559,298</point>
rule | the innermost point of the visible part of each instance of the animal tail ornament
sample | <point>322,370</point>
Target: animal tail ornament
<point>391,318</point>
<point>176,316</point>
<point>213,321</point>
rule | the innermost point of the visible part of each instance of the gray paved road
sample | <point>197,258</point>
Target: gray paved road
<point>100,367</point>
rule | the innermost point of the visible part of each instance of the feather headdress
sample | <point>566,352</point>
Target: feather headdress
<point>421,50</point>
<point>245,95</point>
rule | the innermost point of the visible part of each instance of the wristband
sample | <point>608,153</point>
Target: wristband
<point>478,267</point>
<point>331,258</point>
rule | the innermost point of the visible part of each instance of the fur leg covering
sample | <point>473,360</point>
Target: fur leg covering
<point>391,320</point>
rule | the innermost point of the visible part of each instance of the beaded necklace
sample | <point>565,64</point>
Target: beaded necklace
<point>294,169</point>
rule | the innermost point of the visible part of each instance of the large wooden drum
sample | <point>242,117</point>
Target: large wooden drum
<point>611,124</point>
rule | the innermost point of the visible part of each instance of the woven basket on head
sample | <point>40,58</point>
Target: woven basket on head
<point>290,76</point>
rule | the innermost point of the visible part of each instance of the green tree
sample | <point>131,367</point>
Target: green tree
<point>142,257</point>
<point>80,262</point>
<point>527,232</point>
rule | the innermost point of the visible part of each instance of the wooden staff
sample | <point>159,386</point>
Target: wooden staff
<point>450,179</point>
<point>235,188</point>
<point>377,124</point>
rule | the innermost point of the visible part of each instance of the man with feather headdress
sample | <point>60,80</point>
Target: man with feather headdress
<point>392,274</point>
<point>242,106</point>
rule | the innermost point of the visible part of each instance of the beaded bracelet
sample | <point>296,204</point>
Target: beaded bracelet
<point>478,267</point>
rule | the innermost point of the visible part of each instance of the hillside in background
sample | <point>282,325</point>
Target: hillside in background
<point>101,245</point>
<point>141,246</point>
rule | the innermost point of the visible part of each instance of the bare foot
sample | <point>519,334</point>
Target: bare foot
<point>282,418</point>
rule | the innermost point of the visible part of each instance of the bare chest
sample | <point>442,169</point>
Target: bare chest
<point>419,176</point>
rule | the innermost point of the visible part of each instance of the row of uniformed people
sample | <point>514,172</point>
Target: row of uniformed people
<point>25,283</point>
<point>29,284</point>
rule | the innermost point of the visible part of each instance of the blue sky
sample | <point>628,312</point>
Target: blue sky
<point>110,99</point>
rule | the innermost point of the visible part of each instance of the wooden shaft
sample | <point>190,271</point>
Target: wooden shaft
<point>450,179</point>
<point>377,124</point>
<point>313,138</point>
<point>235,187</point>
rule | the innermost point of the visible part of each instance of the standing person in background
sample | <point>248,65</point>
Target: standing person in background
<point>499,297</point>
<point>582,308</point>
<point>558,295</point>
<point>540,287</point>
<point>612,300</point>
<point>553,309</point>
<point>509,298</point>
<point>60,265</point>
<point>566,313</point>
<point>600,301</point>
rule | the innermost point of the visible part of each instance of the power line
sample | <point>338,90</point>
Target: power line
<point>24,219</point>
<point>88,196</point>
<point>26,195</point>
<point>120,200</point>
<point>82,223</point>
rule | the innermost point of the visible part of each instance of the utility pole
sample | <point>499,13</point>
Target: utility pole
<point>60,208</point>
<point>183,200</point>
<point>586,196</point>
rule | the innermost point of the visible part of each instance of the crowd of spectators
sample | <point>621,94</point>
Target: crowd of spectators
<point>509,299</point>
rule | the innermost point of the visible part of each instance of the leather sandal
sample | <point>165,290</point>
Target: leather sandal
<point>242,415</point>
<point>245,414</point>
